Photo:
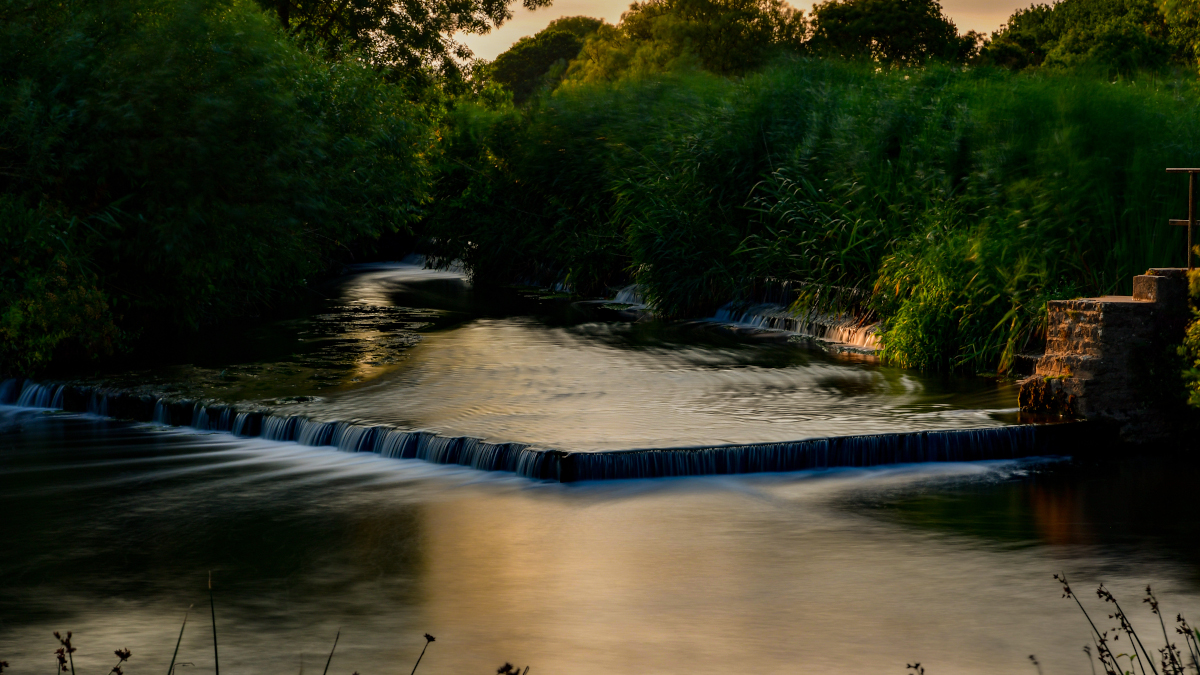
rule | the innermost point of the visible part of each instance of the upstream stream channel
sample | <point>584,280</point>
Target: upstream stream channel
<point>331,513</point>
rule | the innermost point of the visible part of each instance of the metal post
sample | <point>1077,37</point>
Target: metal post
<point>1191,215</point>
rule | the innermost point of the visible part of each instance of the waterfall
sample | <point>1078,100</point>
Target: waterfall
<point>842,328</point>
<point>630,295</point>
<point>771,310</point>
<point>1007,442</point>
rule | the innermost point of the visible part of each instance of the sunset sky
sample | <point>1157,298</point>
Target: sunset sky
<point>981,15</point>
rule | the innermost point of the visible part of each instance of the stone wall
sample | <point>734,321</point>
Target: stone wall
<point>1102,354</point>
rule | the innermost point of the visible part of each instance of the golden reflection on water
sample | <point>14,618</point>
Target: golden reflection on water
<point>594,386</point>
<point>1058,516</point>
<point>765,574</point>
<point>767,577</point>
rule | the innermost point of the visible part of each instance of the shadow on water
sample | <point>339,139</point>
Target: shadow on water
<point>120,522</point>
<point>1136,506</point>
<point>138,512</point>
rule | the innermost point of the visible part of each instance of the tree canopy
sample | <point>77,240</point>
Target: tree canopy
<point>408,36</point>
<point>179,162</point>
<point>1122,35</point>
<point>907,32</point>
<point>527,65</point>
<point>726,37</point>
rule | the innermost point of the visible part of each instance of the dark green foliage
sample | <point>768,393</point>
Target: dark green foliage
<point>582,27</point>
<point>524,67</point>
<point>900,32</point>
<point>1190,349</point>
<point>958,202</point>
<point>406,36</point>
<point>1119,36</point>
<point>49,289</point>
<point>214,165</point>
<point>727,37</point>
<point>540,61</point>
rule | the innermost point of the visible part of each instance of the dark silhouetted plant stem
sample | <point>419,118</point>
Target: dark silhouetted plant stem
<point>1167,640</point>
<point>1193,647</point>
<point>414,670</point>
<point>213,607</point>
<point>171,669</point>
<point>330,660</point>
<point>1132,633</point>
<point>1086,615</point>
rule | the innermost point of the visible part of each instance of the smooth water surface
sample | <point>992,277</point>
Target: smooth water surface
<point>401,345</point>
<point>109,530</point>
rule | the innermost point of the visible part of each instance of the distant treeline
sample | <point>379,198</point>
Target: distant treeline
<point>1109,38</point>
<point>167,164</point>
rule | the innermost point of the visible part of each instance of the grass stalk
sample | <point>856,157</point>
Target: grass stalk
<point>213,608</point>
<point>1131,633</point>
<point>171,668</point>
<point>330,659</point>
<point>428,638</point>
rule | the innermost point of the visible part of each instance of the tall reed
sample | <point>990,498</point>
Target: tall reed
<point>958,201</point>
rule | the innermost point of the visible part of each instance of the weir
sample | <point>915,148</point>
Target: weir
<point>1105,356</point>
<point>771,309</point>
<point>991,443</point>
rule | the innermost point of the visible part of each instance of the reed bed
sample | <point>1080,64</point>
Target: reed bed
<point>956,200</point>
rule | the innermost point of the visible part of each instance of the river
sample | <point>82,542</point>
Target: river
<point>110,528</point>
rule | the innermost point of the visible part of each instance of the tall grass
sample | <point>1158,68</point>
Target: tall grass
<point>959,200</point>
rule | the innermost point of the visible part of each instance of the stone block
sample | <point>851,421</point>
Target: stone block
<point>1098,351</point>
<point>1164,286</point>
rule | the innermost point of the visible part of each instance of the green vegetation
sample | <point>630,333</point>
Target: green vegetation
<point>1110,36</point>
<point>1190,349</point>
<point>182,163</point>
<point>179,163</point>
<point>726,37</point>
<point>412,40</point>
<point>540,61</point>
<point>901,32</point>
<point>958,201</point>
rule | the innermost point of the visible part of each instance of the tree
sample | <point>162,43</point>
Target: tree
<point>582,27</point>
<point>897,32</point>
<point>175,163</point>
<point>410,37</point>
<point>726,37</point>
<point>525,66</point>
<point>1122,36</point>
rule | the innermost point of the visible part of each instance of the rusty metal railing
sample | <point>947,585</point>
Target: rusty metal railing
<point>1190,223</point>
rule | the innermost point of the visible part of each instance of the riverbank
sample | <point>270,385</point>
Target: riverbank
<point>954,202</point>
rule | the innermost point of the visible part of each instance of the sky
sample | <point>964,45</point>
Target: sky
<point>981,15</point>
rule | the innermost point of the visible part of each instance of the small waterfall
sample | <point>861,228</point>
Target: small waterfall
<point>771,310</point>
<point>1008,442</point>
<point>769,307</point>
<point>630,295</point>
<point>40,396</point>
<point>842,328</point>
<point>280,427</point>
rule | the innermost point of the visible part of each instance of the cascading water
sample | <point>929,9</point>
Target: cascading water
<point>771,310</point>
<point>1003,442</point>
<point>630,295</point>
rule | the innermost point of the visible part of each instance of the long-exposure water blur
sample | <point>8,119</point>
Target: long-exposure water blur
<point>110,528</point>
